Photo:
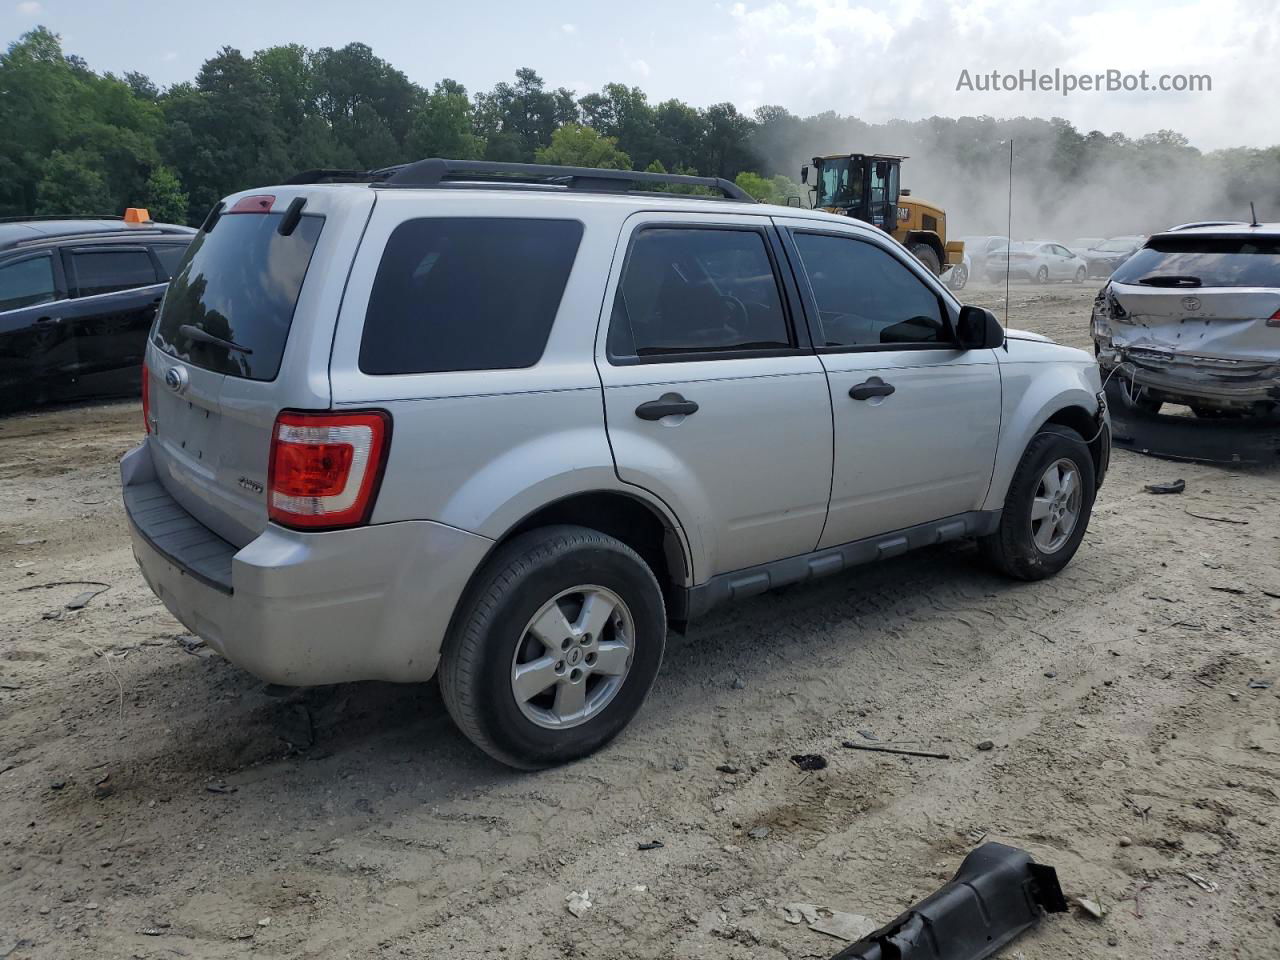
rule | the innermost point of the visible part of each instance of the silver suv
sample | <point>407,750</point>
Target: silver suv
<point>509,424</point>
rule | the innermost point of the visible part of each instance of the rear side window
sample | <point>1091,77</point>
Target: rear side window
<point>231,303</point>
<point>27,283</point>
<point>866,297</point>
<point>106,271</point>
<point>169,255</point>
<point>456,293</point>
<point>1191,261</point>
<point>689,290</point>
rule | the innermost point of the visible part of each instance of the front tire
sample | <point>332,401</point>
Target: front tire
<point>928,256</point>
<point>554,647</point>
<point>1047,508</point>
<point>1042,275</point>
<point>1080,275</point>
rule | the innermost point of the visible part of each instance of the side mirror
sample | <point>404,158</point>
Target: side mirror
<point>978,329</point>
<point>804,174</point>
<point>793,201</point>
<point>904,192</point>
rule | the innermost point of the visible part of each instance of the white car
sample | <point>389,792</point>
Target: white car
<point>509,423</point>
<point>1079,245</point>
<point>1194,318</point>
<point>1041,261</point>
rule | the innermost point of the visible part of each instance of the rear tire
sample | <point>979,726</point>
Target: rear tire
<point>959,277</point>
<point>1022,546</point>
<point>1042,275</point>
<point>928,256</point>
<point>1080,275</point>
<point>551,576</point>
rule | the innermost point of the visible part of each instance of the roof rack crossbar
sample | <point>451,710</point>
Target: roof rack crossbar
<point>434,171</point>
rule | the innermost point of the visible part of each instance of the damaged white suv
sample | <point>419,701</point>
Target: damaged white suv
<point>1194,318</point>
<point>509,423</point>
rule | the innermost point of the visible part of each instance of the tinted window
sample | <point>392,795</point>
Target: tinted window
<point>26,283</point>
<point>695,291</point>
<point>169,255</point>
<point>466,294</point>
<point>866,296</point>
<point>1191,261</point>
<point>240,284</point>
<point>105,271</point>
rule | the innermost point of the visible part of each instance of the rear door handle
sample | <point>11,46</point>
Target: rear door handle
<point>668,405</point>
<point>873,387</point>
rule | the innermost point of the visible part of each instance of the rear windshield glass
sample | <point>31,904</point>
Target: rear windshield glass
<point>1190,261</point>
<point>466,294</point>
<point>230,304</point>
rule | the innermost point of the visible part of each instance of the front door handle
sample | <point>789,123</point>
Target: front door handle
<point>668,405</point>
<point>48,319</point>
<point>873,387</point>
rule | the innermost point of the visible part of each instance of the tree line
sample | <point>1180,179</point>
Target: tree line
<point>78,142</point>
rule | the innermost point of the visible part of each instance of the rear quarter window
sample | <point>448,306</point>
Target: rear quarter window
<point>457,293</point>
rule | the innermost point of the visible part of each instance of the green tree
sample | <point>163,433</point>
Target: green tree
<point>164,198</point>
<point>575,145</point>
<point>72,185</point>
<point>442,126</point>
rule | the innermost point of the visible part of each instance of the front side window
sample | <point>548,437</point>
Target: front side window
<point>697,291</point>
<point>27,283</point>
<point>866,297</point>
<point>106,271</point>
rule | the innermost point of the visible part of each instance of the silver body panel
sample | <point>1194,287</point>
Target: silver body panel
<point>768,468</point>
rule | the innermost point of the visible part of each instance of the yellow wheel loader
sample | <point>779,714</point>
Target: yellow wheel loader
<point>866,186</point>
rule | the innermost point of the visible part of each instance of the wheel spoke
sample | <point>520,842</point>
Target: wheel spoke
<point>551,627</point>
<point>1043,536</point>
<point>1040,508</point>
<point>1068,483</point>
<point>611,658</point>
<point>1052,481</point>
<point>531,679</point>
<point>596,611</point>
<point>570,699</point>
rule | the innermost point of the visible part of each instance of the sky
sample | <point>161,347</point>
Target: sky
<point>875,59</point>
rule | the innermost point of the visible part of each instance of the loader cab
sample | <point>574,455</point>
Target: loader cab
<point>860,185</point>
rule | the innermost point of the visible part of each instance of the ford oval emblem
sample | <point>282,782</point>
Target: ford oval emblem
<point>175,379</point>
<point>1191,303</point>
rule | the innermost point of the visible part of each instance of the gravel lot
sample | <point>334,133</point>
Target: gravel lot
<point>157,802</point>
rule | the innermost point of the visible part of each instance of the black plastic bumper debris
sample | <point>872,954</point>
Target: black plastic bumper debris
<point>997,893</point>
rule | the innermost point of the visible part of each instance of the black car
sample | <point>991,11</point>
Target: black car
<point>77,297</point>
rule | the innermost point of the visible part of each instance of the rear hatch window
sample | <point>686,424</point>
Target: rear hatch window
<point>230,305</point>
<point>1199,261</point>
<point>457,293</point>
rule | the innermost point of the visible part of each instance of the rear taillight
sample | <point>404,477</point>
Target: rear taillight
<point>146,397</point>
<point>326,467</point>
<point>1274,319</point>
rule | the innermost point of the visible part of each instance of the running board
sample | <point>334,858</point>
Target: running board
<point>831,560</point>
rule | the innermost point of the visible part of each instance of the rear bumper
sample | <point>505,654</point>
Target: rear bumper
<point>370,603</point>
<point>1183,380</point>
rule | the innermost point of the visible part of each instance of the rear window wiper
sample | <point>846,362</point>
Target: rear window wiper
<point>203,336</point>
<point>1170,281</point>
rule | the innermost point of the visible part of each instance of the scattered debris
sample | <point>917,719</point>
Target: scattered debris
<point>986,745</point>
<point>867,735</point>
<point>738,683</point>
<point>874,748</point>
<point>998,893</point>
<point>104,787</point>
<point>1166,486</point>
<point>727,768</point>
<point>218,786</point>
<point>57,785</point>
<point>1091,907</point>
<point>650,845</point>
<point>1235,590</point>
<point>264,922</point>
<point>758,833</point>
<point>578,903</point>
<point>809,761</point>
<point>1208,886</point>
<point>1125,842</point>
<point>63,583</point>
<point>678,765</point>
<point>834,923</point>
<point>1205,516</point>
<point>1257,683</point>
<point>156,931</point>
<point>190,644</point>
<point>81,600</point>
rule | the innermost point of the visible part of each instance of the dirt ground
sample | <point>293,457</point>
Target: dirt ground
<point>157,802</point>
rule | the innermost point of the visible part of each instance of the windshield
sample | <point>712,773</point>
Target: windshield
<point>1205,262</point>
<point>1117,245</point>
<point>231,302</point>
<point>840,184</point>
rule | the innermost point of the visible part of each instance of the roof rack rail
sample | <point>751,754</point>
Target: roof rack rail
<point>435,172</point>
<point>61,216</point>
